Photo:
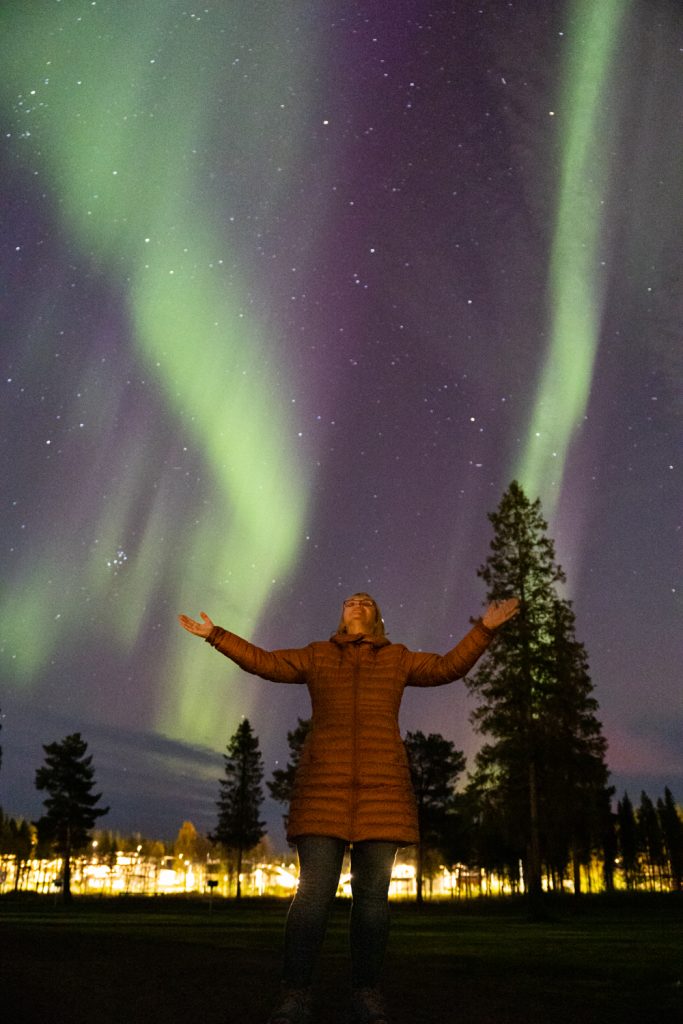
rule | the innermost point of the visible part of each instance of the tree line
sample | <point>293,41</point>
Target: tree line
<point>537,804</point>
<point>645,841</point>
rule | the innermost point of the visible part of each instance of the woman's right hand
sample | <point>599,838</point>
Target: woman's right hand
<point>198,628</point>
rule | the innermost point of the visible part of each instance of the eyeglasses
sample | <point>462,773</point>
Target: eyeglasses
<point>354,602</point>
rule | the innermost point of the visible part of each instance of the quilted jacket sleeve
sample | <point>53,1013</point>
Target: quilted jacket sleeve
<point>437,669</point>
<point>279,666</point>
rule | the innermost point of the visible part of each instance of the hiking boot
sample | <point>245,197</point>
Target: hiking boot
<point>294,1007</point>
<point>367,1007</point>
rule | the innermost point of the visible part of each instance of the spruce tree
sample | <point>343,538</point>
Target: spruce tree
<point>672,832</point>
<point>70,808</point>
<point>574,789</point>
<point>241,796</point>
<point>282,783</point>
<point>627,830</point>
<point>545,753</point>
<point>608,841</point>
<point>650,840</point>
<point>435,766</point>
<point>497,845</point>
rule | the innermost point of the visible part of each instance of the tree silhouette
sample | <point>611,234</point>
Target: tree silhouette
<point>435,765</point>
<point>282,782</point>
<point>628,841</point>
<point>241,796</point>
<point>22,838</point>
<point>17,838</point>
<point>574,790</point>
<point>609,841</point>
<point>672,832</point>
<point>650,840</point>
<point>496,842</point>
<point>70,814</point>
<point>545,758</point>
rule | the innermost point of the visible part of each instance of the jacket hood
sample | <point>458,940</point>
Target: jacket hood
<point>342,639</point>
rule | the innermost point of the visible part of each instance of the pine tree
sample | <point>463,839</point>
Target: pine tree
<point>545,756</point>
<point>650,840</point>
<point>241,796</point>
<point>608,841</point>
<point>435,765</point>
<point>497,841</point>
<point>282,783</point>
<point>627,830</point>
<point>574,788</point>
<point>22,838</point>
<point>68,777</point>
<point>17,840</point>
<point>672,832</point>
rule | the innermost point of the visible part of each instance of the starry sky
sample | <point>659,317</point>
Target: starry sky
<point>291,292</point>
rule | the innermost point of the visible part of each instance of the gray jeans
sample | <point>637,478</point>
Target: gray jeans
<point>320,863</point>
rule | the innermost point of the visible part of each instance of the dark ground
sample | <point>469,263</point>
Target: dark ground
<point>110,961</point>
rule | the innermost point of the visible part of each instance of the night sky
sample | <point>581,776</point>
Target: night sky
<point>291,291</point>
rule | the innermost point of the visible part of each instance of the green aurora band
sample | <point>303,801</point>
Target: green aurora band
<point>116,121</point>
<point>574,286</point>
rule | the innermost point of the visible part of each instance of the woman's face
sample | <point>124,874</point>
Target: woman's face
<point>359,614</point>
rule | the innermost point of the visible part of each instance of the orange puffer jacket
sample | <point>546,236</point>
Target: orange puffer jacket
<point>353,779</point>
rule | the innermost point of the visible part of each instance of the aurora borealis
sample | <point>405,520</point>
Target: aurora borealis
<point>574,273</point>
<point>291,292</point>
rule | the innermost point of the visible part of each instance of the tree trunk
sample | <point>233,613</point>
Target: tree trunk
<point>66,878</point>
<point>418,875</point>
<point>534,887</point>
<point>576,862</point>
<point>238,892</point>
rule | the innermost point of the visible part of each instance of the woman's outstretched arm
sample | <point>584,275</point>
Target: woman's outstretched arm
<point>435,670</point>
<point>278,666</point>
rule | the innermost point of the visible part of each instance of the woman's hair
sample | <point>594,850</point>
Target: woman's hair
<point>378,624</point>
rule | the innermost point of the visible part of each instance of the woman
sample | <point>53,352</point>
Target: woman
<point>353,781</point>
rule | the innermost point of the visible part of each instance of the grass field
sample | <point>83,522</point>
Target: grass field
<point>110,961</point>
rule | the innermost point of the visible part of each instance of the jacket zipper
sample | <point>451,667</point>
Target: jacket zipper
<point>354,746</point>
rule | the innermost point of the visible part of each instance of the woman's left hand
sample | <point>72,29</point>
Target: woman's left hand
<point>498,612</point>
